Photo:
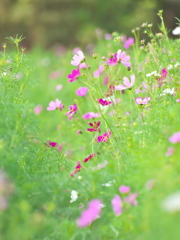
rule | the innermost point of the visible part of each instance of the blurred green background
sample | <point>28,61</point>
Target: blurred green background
<point>74,22</point>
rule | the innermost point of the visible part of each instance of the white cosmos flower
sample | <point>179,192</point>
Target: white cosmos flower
<point>176,31</point>
<point>168,91</point>
<point>74,196</point>
<point>172,202</point>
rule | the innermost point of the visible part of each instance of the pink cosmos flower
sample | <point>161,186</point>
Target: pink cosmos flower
<point>72,110</point>
<point>175,138</point>
<point>99,71</point>
<point>117,205</point>
<point>108,36</point>
<point>141,101</point>
<point>90,115</point>
<point>38,109</point>
<point>131,199</point>
<point>83,65</point>
<point>113,60</point>
<point>78,58</point>
<point>74,75</point>
<point>55,105</point>
<point>164,74</point>
<point>169,152</point>
<point>95,127</point>
<point>128,42</point>
<point>90,214</point>
<point>127,83</point>
<point>89,157</point>
<point>124,189</point>
<point>177,100</point>
<point>77,168</point>
<point>82,91</point>
<point>59,87</point>
<point>123,58</point>
<point>104,137</point>
<point>103,102</point>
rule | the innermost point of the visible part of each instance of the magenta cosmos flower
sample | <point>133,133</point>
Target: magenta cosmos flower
<point>127,83</point>
<point>78,58</point>
<point>95,127</point>
<point>77,168</point>
<point>105,137</point>
<point>123,58</point>
<point>175,138</point>
<point>72,110</point>
<point>113,60</point>
<point>128,42</point>
<point>82,91</point>
<point>141,101</point>
<point>90,115</point>
<point>74,75</point>
<point>117,205</point>
<point>90,214</point>
<point>89,157</point>
<point>103,102</point>
<point>55,105</point>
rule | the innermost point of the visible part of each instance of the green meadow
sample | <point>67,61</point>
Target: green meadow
<point>96,165</point>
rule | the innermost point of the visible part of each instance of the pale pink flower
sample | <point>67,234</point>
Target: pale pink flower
<point>108,36</point>
<point>90,115</point>
<point>99,71</point>
<point>117,205</point>
<point>55,74</point>
<point>59,87</point>
<point>175,138</point>
<point>128,42</point>
<point>127,83</point>
<point>123,58</point>
<point>131,199</point>
<point>177,100</point>
<point>74,75</point>
<point>83,65</point>
<point>82,91</point>
<point>150,184</point>
<point>78,58</point>
<point>169,152</point>
<point>90,214</point>
<point>124,189</point>
<point>141,101</point>
<point>55,105</point>
<point>72,110</point>
<point>38,109</point>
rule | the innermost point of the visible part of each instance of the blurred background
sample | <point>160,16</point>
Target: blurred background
<point>50,23</point>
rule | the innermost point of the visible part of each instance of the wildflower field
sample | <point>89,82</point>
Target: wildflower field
<point>90,139</point>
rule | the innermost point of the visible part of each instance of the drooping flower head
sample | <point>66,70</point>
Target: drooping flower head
<point>89,157</point>
<point>141,101</point>
<point>117,205</point>
<point>90,214</point>
<point>82,91</point>
<point>72,110</point>
<point>78,58</point>
<point>77,169</point>
<point>127,83</point>
<point>74,75</point>
<point>57,104</point>
<point>123,58</point>
<point>95,127</point>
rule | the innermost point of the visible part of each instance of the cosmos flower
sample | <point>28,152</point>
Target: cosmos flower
<point>89,157</point>
<point>123,58</point>
<point>131,199</point>
<point>72,110</point>
<point>128,42</point>
<point>78,58</point>
<point>77,168</point>
<point>141,101</point>
<point>99,71</point>
<point>95,127</point>
<point>175,138</point>
<point>38,109</point>
<point>105,137</point>
<point>124,189</point>
<point>103,102</point>
<point>117,205</point>
<point>127,83</point>
<point>57,104</point>
<point>90,214</point>
<point>82,91</point>
<point>90,115</point>
<point>74,75</point>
